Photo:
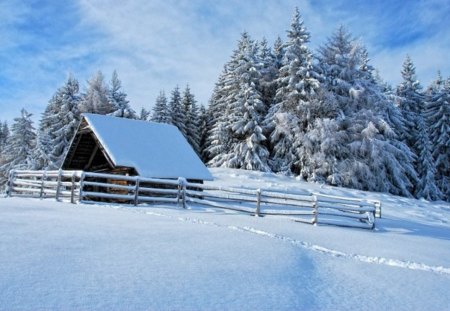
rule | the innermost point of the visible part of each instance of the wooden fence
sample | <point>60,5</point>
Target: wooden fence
<point>61,185</point>
<point>313,208</point>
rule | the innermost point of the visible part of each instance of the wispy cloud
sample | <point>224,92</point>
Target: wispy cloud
<point>160,43</point>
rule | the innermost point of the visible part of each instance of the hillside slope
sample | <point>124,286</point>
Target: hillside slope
<point>64,256</point>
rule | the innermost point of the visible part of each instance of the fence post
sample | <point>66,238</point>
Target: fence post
<point>258,203</point>
<point>316,209</point>
<point>81,186</point>
<point>72,189</point>
<point>182,191</point>
<point>58,185</point>
<point>44,176</point>
<point>11,177</point>
<point>377,209</point>
<point>136,191</point>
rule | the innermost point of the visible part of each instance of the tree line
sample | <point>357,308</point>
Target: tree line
<point>324,116</point>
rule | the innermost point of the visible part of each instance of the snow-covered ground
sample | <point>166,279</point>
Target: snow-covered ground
<point>77,257</point>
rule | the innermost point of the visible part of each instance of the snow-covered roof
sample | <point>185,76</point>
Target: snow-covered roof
<point>153,149</point>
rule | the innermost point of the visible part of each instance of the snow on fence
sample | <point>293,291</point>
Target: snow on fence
<point>313,208</point>
<point>45,184</point>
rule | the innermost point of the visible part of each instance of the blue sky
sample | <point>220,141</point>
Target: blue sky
<point>157,44</point>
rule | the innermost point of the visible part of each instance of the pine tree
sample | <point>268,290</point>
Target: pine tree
<point>144,114</point>
<point>4,134</point>
<point>246,112</point>
<point>192,121</point>
<point>217,139</point>
<point>426,187</point>
<point>438,118</point>
<point>95,100</point>
<point>411,101</point>
<point>203,128</point>
<point>19,146</point>
<point>57,127</point>
<point>177,116</point>
<point>268,70</point>
<point>220,137</point>
<point>161,112</point>
<point>278,53</point>
<point>297,88</point>
<point>357,147</point>
<point>118,100</point>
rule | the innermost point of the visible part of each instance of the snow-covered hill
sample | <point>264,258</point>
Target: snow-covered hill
<point>64,256</point>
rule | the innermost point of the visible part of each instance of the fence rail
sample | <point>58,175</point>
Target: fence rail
<point>312,208</point>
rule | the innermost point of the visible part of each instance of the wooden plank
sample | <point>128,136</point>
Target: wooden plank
<point>287,196</point>
<point>218,205</point>
<point>157,199</point>
<point>288,213</point>
<point>110,176</point>
<point>158,190</point>
<point>288,203</point>
<point>346,208</point>
<point>21,189</point>
<point>108,185</point>
<point>92,156</point>
<point>107,195</point>
<point>22,182</point>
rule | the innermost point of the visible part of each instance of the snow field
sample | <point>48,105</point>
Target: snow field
<point>64,256</point>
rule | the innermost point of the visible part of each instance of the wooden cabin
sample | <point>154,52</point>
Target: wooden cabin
<point>114,145</point>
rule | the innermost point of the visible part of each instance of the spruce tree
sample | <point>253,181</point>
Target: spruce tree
<point>177,116</point>
<point>438,118</point>
<point>268,70</point>
<point>203,129</point>
<point>217,139</point>
<point>144,114</point>
<point>118,100</point>
<point>411,101</point>
<point>95,100</point>
<point>192,121</point>
<point>357,147</point>
<point>297,88</point>
<point>246,112</point>
<point>57,126</point>
<point>426,187</point>
<point>19,147</point>
<point>161,112</point>
<point>4,134</point>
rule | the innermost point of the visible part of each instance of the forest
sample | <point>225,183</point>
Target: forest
<point>325,116</point>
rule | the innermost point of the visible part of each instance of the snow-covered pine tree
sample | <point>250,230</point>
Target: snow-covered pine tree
<point>220,140</point>
<point>144,114</point>
<point>278,53</point>
<point>246,112</point>
<point>20,145</point>
<point>438,118</point>
<point>426,187</point>
<point>203,128</point>
<point>58,127</point>
<point>297,88</point>
<point>217,139</point>
<point>42,151</point>
<point>411,101</point>
<point>4,134</point>
<point>192,121</point>
<point>435,86</point>
<point>177,116</point>
<point>267,66</point>
<point>357,147</point>
<point>118,100</point>
<point>161,112</point>
<point>95,100</point>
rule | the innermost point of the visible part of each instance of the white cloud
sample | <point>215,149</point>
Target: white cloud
<point>157,44</point>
